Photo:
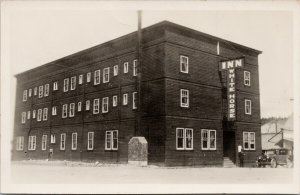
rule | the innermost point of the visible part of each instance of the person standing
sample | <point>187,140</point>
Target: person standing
<point>241,158</point>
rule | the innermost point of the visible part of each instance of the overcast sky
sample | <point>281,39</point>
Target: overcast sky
<point>41,35</point>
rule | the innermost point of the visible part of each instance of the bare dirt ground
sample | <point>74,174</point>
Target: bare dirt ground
<point>64,172</point>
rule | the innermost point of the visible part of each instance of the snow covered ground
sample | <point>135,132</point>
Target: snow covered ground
<point>64,172</point>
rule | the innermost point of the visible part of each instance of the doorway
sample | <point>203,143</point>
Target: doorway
<point>229,145</point>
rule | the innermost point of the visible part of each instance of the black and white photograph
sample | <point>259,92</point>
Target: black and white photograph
<point>150,97</point>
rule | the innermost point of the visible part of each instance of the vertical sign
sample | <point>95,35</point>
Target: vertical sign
<point>230,66</point>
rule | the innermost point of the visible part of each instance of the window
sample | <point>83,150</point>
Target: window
<point>247,78</point>
<point>79,106</point>
<point>62,141</point>
<point>65,111</point>
<point>66,84</point>
<point>29,92</point>
<point>80,79</point>
<point>52,140</point>
<point>96,106</point>
<point>249,140</point>
<point>126,67</point>
<point>116,70</point>
<point>125,99</point>
<point>23,121</point>
<point>88,77</point>
<point>90,141</point>
<point>184,98</point>
<point>55,86</point>
<point>39,116</point>
<point>44,142</point>
<point>184,139</point>
<point>54,110</point>
<point>134,67</point>
<point>41,89</point>
<point>111,140</point>
<point>105,75</point>
<point>32,143</point>
<point>97,77</point>
<point>73,83</point>
<point>20,143</point>
<point>184,64</point>
<point>72,110</point>
<point>25,95</point>
<point>33,113</point>
<point>115,101</point>
<point>45,114</point>
<point>74,141</point>
<point>46,92</point>
<point>35,91</point>
<point>105,105</point>
<point>208,139</point>
<point>87,105</point>
<point>134,100</point>
<point>28,114</point>
<point>247,106</point>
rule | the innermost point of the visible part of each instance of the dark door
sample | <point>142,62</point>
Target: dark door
<point>229,144</point>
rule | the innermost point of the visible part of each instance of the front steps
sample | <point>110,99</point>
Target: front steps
<point>227,163</point>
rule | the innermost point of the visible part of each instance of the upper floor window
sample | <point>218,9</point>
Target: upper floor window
<point>134,100</point>
<point>247,78</point>
<point>65,111</point>
<point>66,84</point>
<point>73,83</point>
<point>46,92</point>
<point>52,139</point>
<point>45,114</point>
<point>248,106</point>
<point>80,79</point>
<point>72,110</point>
<point>87,105</point>
<point>74,141</point>
<point>184,64</point>
<point>184,139</point>
<point>29,92</point>
<point>116,70</point>
<point>33,113</point>
<point>96,106</point>
<point>28,114</point>
<point>105,75</point>
<point>41,89</point>
<point>79,106</point>
<point>125,99</point>
<point>23,117</point>
<point>62,141</point>
<point>184,98</point>
<point>44,142</point>
<point>39,115</point>
<point>35,91</point>
<point>25,95</point>
<point>126,67</point>
<point>111,140</point>
<point>134,67</point>
<point>90,144</point>
<point>105,105</point>
<point>55,86</point>
<point>115,101</point>
<point>88,77</point>
<point>249,140</point>
<point>31,142</point>
<point>208,139</point>
<point>97,77</point>
<point>20,143</point>
<point>54,110</point>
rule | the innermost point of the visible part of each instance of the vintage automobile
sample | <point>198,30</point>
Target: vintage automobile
<point>274,157</point>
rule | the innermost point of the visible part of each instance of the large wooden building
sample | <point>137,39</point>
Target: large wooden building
<point>88,105</point>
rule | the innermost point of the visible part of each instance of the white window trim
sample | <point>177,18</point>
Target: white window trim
<point>39,115</point>
<point>44,140</point>
<point>115,101</point>
<point>52,139</point>
<point>72,146</point>
<point>34,114</point>
<point>105,101</point>
<point>29,92</point>
<point>64,113</point>
<point>23,118</point>
<point>62,146</point>
<point>28,115</point>
<point>97,73</point>
<point>116,70</point>
<point>88,77</point>
<point>181,61</point>
<point>55,86</point>
<point>96,106</point>
<point>45,114</point>
<point>46,91</point>
<point>66,84</point>
<point>54,110</point>
<point>35,91</point>
<point>25,95</point>
<point>111,140</point>
<point>184,105</point>
<point>184,139</point>
<point>106,73</point>
<point>250,107</point>
<point>80,79</point>
<point>88,143</point>
<point>134,100</point>
<point>247,79</point>
<point>208,139</point>
<point>125,99</point>
<point>41,91</point>
<point>125,67</point>
<point>72,108</point>
<point>73,83</point>
<point>249,141</point>
<point>135,67</point>
<point>79,106</point>
<point>32,142</point>
<point>20,143</point>
<point>87,105</point>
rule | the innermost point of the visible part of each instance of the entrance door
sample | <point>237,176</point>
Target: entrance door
<point>229,145</point>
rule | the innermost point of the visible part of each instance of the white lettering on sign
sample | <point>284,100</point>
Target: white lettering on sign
<point>231,64</point>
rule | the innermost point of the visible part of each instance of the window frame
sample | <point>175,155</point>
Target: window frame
<point>20,143</point>
<point>249,141</point>
<point>247,78</point>
<point>35,91</point>
<point>115,101</point>
<point>181,64</point>
<point>184,138</point>
<point>41,91</point>
<point>80,79</point>
<point>182,104</point>
<point>46,90</point>
<point>45,114</point>
<point>106,73</point>
<point>135,71</point>
<point>116,70</point>
<point>111,139</point>
<point>66,85</point>
<point>250,107</point>
<point>125,66</point>
<point>39,115</point>
<point>72,109</point>
<point>92,140</point>
<point>62,146</point>
<point>28,114</point>
<point>134,100</point>
<point>79,107</point>
<point>208,132</point>
<point>87,105</point>
<point>74,141</point>
<point>105,101</point>
<point>88,77</point>
<point>97,77</point>
<point>44,142</point>
<point>64,113</point>
<point>32,142</point>
<point>29,92</point>
<point>24,95</point>
<point>96,106</point>
<point>34,114</point>
<point>23,118</point>
<point>125,99</point>
<point>54,110</point>
<point>55,86</point>
<point>52,139</point>
<point>73,83</point>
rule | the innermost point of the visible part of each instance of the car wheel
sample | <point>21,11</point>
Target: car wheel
<point>273,163</point>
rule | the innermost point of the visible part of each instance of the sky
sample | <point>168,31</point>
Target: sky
<point>38,35</point>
